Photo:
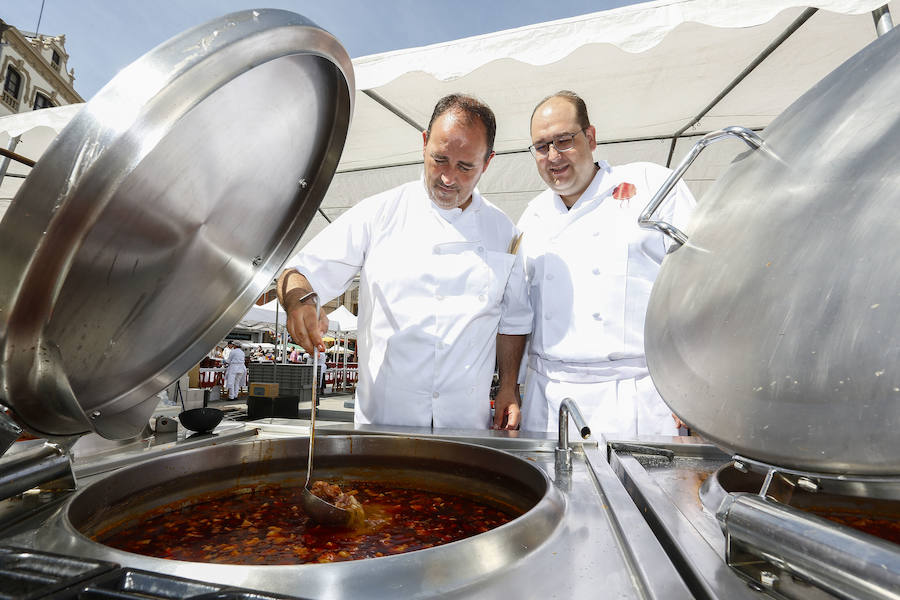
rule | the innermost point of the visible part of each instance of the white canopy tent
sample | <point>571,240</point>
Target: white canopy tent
<point>28,134</point>
<point>343,326</point>
<point>655,76</point>
<point>343,321</point>
<point>266,316</point>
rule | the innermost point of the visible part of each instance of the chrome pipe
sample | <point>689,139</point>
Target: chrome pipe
<point>31,468</point>
<point>4,162</point>
<point>563,452</point>
<point>883,21</point>
<point>9,431</point>
<point>838,559</point>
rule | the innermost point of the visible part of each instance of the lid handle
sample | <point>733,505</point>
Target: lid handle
<point>646,221</point>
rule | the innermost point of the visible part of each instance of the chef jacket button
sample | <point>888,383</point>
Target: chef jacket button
<point>482,297</point>
<point>480,248</point>
<point>596,271</point>
<point>547,316</point>
<point>435,395</point>
<point>437,250</point>
<point>438,297</point>
<point>597,317</point>
<point>549,276</point>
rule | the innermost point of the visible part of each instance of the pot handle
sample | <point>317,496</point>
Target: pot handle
<point>645,220</point>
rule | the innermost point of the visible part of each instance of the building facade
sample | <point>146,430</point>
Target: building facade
<point>34,71</point>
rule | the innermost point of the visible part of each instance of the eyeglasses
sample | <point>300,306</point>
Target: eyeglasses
<point>562,143</point>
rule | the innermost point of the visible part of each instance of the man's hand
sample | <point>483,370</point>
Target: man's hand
<point>292,288</point>
<point>301,324</point>
<point>507,414</point>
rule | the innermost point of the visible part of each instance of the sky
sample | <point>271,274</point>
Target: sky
<point>103,36</point>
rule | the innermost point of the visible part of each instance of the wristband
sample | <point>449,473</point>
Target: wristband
<point>298,296</point>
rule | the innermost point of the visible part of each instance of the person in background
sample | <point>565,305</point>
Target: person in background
<point>294,356</point>
<point>227,350</point>
<point>590,268</point>
<point>235,370</point>
<point>442,291</point>
<point>322,367</point>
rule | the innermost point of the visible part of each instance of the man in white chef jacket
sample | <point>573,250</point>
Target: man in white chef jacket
<point>442,290</point>
<point>590,268</point>
<point>235,370</point>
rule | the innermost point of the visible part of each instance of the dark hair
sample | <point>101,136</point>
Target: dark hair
<point>581,113</point>
<point>471,108</point>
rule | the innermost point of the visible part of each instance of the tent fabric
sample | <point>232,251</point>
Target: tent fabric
<point>344,319</point>
<point>645,70</point>
<point>636,28</point>
<point>36,128</point>
<point>263,317</point>
<point>54,118</point>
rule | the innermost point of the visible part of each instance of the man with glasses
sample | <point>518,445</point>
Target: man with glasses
<point>590,268</point>
<point>441,289</point>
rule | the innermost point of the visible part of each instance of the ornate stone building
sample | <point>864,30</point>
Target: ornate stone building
<point>33,71</point>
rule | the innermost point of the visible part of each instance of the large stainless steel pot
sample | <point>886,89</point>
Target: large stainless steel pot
<point>460,468</point>
<point>161,212</point>
<point>774,331</point>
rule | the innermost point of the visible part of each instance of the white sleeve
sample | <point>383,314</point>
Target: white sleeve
<point>515,307</point>
<point>333,258</point>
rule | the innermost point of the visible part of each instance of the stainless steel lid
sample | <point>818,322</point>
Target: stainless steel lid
<point>161,212</point>
<point>774,331</point>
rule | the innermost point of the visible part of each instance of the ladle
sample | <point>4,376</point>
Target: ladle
<point>319,510</point>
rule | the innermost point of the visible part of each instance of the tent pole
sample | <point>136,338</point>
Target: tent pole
<point>803,18</point>
<point>4,164</point>
<point>883,21</point>
<point>275,362</point>
<point>396,111</point>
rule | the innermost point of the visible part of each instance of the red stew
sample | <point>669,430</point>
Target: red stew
<point>268,527</point>
<point>887,529</point>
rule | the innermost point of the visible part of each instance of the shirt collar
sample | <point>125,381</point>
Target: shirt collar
<point>591,191</point>
<point>452,214</point>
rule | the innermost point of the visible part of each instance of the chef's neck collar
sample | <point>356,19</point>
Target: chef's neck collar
<point>600,169</point>
<point>451,214</point>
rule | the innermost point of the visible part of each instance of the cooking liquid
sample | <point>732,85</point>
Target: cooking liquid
<point>267,526</point>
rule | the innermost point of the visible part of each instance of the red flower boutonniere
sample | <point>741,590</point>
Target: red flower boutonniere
<point>623,193</point>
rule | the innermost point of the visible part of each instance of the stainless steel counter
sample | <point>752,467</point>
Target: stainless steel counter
<point>601,545</point>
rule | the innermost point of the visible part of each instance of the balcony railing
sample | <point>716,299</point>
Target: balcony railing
<point>11,101</point>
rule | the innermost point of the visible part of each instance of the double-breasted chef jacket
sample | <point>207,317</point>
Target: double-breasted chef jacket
<point>436,287</point>
<point>590,270</point>
<point>235,372</point>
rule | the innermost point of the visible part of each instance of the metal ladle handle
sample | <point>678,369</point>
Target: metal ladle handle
<point>646,221</point>
<point>314,398</point>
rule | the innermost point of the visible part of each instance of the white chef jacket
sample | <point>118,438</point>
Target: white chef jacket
<point>436,287</point>
<point>235,372</point>
<point>590,270</point>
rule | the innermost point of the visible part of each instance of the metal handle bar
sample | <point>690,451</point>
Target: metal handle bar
<point>749,137</point>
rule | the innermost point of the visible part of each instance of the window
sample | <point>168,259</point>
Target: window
<point>13,82</point>
<point>41,101</point>
<point>55,59</point>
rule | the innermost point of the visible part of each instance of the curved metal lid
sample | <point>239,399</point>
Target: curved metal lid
<point>774,331</point>
<point>161,212</point>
